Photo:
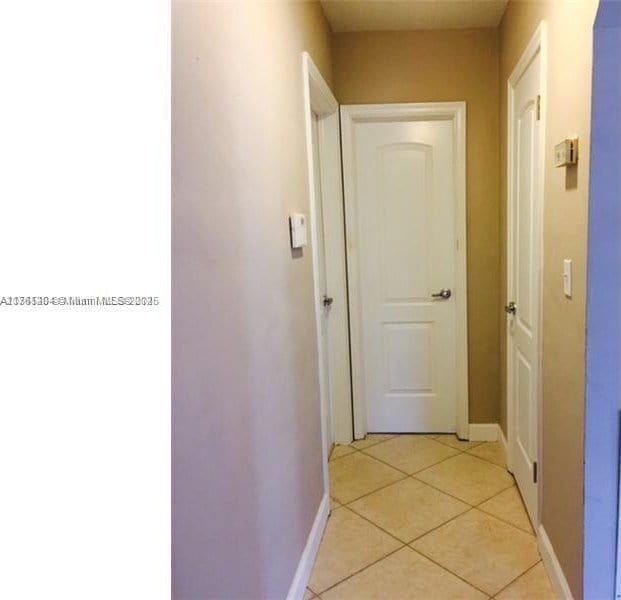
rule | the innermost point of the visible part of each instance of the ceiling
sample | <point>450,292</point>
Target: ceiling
<point>392,15</point>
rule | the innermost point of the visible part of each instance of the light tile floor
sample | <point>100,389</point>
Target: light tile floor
<point>425,517</point>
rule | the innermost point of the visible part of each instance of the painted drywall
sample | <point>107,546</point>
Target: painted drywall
<point>247,473</point>
<point>603,364</point>
<point>441,66</point>
<point>567,108</point>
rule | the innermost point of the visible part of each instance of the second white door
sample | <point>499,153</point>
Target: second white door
<point>403,246</point>
<point>524,213</point>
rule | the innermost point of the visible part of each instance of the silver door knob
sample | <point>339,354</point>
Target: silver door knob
<point>327,301</point>
<point>511,308</point>
<point>444,293</point>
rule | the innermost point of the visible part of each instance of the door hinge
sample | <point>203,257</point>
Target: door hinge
<point>534,472</point>
<point>538,107</point>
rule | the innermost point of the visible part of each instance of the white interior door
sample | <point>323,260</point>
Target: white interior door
<point>524,275</point>
<point>402,242</point>
<point>323,299</point>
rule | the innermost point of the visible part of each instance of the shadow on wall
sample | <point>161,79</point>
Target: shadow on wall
<point>571,177</point>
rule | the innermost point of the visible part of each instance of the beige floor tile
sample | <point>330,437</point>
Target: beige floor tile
<point>358,474</point>
<point>408,509</point>
<point>411,453</point>
<point>508,506</point>
<point>334,504</point>
<point>404,575</point>
<point>533,585</point>
<point>338,451</point>
<point>466,477</point>
<point>451,440</point>
<point>371,439</point>
<point>349,544</point>
<point>484,551</point>
<point>491,451</point>
<point>308,595</point>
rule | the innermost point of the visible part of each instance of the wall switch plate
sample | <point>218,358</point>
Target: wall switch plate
<point>567,277</point>
<point>566,153</point>
<point>297,225</point>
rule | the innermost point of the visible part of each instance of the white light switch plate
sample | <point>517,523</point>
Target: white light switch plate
<point>297,223</point>
<point>567,277</point>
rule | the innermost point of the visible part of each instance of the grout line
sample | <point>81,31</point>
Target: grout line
<point>385,463</point>
<point>516,578</point>
<point>449,571</point>
<point>503,469</point>
<point>444,492</point>
<point>372,492</point>
<point>471,456</point>
<point>454,448</point>
<point>491,498</point>
<point>506,522</point>
<point>344,455</point>
<point>437,463</point>
<point>392,535</point>
<point>496,494</point>
<point>362,569</point>
<point>393,436</point>
<point>422,535</point>
<point>532,530</point>
<point>491,462</point>
<point>358,449</point>
<point>419,470</point>
<point>461,499</point>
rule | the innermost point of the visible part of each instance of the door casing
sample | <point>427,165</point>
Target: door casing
<point>320,102</point>
<point>537,44</point>
<point>455,112</point>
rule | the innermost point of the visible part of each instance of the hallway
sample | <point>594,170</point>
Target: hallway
<point>380,223</point>
<point>425,516</point>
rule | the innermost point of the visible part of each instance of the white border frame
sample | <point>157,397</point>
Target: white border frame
<point>452,111</point>
<point>537,44</point>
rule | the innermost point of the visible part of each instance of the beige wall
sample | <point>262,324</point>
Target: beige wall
<point>565,229</point>
<point>425,66</point>
<point>247,473</point>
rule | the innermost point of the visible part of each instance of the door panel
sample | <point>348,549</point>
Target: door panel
<point>405,201</point>
<point>524,383</point>
<point>407,357</point>
<point>524,254</point>
<point>403,171</point>
<point>525,210</point>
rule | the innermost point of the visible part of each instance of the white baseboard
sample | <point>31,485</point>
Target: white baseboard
<point>553,567</point>
<point>483,432</point>
<point>305,566</point>
<point>503,444</point>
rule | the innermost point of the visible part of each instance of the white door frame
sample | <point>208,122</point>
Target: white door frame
<point>451,111</point>
<point>320,102</point>
<point>537,44</point>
